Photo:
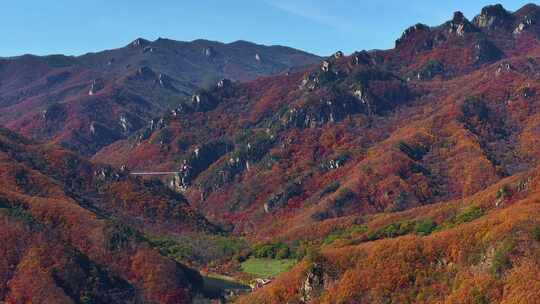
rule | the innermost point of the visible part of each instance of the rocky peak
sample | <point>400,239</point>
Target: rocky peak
<point>492,17</point>
<point>526,17</point>
<point>459,17</point>
<point>338,54</point>
<point>139,42</point>
<point>412,32</point>
<point>460,25</point>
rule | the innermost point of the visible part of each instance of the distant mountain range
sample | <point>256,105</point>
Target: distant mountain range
<point>113,93</point>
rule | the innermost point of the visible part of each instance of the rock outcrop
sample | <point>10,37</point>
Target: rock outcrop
<point>494,17</point>
<point>209,52</point>
<point>459,25</point>
<point>412,32</point>
<point>313,284</point>
<point>97,84</point>
<point>485,51</point>
<point>139,42</point>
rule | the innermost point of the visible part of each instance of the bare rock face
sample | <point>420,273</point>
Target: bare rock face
<point>106,174</point>
<point>526,22</point>
<point>313,284</point>
<point>224,83</point>
<point>97,84</point>
<point>209,52</point>
<point>165,81</point>
<point>139,42</point>
<point>493,17</point>
<point>459,25</point>
<point>124,123</point>
<point>411,32</point>
<point>177,183</point>
<point>149,49</point>
<point>325,66</point>
<point>361,58</point>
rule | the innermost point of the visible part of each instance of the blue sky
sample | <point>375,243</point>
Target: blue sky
<point>319,26</point>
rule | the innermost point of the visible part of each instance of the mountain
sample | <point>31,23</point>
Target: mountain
<point>408,169</point>
<point>378,135</point>
<point>87,102</point>
<point>69,231</point>
<point>407,175</point>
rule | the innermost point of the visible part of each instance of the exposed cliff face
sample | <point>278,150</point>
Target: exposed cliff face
<point>494,17</point>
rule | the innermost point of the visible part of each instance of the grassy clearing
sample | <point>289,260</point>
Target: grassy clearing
<point>265,268</point>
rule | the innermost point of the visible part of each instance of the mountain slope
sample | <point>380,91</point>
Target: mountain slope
<point>483,249</point>
<point>356,135</point>
<point>68,236</point>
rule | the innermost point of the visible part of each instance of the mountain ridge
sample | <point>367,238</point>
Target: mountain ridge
<point>131,85</point>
